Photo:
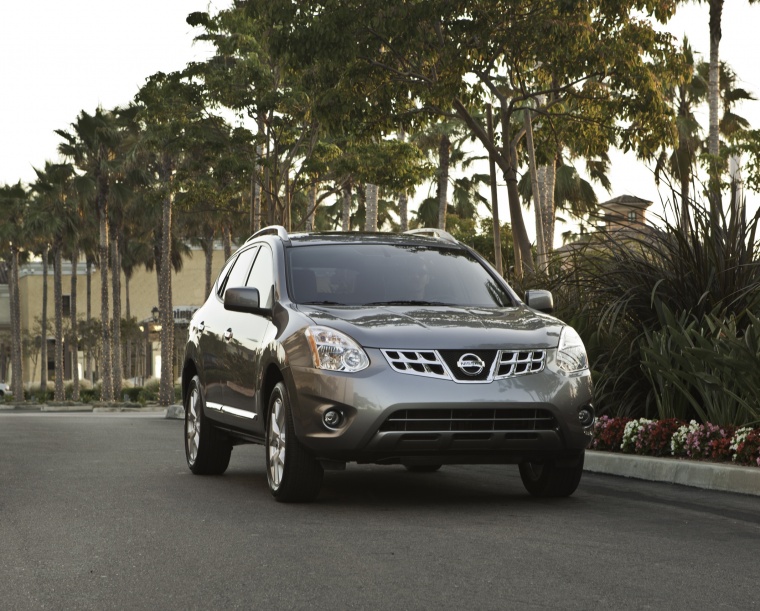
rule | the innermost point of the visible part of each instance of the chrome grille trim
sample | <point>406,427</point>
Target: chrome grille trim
<point>469,420</point>
<point>513,363</point>
<point>430,364</point>
<point>427,363</point>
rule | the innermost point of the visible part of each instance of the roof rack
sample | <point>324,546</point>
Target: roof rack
<point>281,232</point>
<point>434,233</point>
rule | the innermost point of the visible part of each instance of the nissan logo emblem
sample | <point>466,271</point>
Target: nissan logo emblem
<point>470,364</point>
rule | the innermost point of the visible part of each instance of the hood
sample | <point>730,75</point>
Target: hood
<point>440,327</point>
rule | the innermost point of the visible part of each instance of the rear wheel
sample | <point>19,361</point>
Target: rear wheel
<point>207,449</point>
<point>554,478</point>
<point>293,474</point>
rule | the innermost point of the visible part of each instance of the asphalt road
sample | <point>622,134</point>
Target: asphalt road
<point>99,511</point>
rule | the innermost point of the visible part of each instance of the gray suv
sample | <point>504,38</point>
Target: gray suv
<point>329,348</point>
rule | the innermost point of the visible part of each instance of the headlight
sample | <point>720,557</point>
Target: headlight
<point>335,351</point>
<point>571,353</point>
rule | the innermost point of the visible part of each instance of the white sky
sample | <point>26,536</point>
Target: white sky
<point>58,57</point>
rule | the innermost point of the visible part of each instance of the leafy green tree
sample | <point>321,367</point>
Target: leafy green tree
<point>377,61</point>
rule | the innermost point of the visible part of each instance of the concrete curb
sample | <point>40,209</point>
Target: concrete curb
<point>697,474</point>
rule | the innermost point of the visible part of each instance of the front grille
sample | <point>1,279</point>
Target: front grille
<point>500,420</point>
<point>515,363</point>
<point>444,364</point>
<point>417,362</point>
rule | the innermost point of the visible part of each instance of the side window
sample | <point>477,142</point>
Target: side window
<point>262,276</point>
<point>239,273</point>
<point>222,282</point>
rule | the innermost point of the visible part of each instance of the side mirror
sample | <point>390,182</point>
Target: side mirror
<point>244,299</point>
<point>540,300</point>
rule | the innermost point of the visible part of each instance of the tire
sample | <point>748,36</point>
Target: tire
<point>422,468</point>
<point>552,478</point>
<point>207,449</point>
<point>294,476</point>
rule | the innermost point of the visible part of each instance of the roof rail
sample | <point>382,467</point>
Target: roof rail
<point>434,233</point>
<point>281,232</point>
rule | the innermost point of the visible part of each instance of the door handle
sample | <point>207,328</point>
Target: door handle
<point>228,335</point>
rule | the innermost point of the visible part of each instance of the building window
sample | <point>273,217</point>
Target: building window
<point>66,303</point>
<point>632,216</point>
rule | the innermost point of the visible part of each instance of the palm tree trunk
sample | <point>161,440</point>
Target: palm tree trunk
<point>74,343</point>
<point>547,205</point>
<point>371,195</point>
<point>106,389</point>
<point>494,198</point>
<point>444,156</point>
<point>16,356</point>
<point>166,388</point>
<point>58,305</point>
<point>713,140</point>
<point>540,234</point>
<point>716,15</point>
<point>43,333</point>
<point>311,213</point>
<point>208,251</point>
<point>117,372</point>
<point>403,199</point>
<point>256,185</point>
<point>227,241</point>
<point>346,212</point>
<point>88,356</point>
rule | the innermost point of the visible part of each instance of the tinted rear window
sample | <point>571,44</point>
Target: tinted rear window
<point>369,274</point>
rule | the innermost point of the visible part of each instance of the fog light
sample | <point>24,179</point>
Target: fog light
<point>586,416</point>
<point>332,418</point>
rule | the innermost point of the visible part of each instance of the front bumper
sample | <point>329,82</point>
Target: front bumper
<point>391,417</point>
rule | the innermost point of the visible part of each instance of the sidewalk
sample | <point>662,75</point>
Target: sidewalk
<point>698,474</point>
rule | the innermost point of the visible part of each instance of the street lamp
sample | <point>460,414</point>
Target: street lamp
<point>155,313</point>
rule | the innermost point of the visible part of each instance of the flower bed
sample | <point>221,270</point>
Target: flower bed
<point>677,438</point>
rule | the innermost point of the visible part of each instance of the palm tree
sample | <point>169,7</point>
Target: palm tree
<point>92,144</point>
<point>40,244</point>
<point>680,162</point>
<point>56,210</point>
<point>714,96</point>
<point>13,204</point>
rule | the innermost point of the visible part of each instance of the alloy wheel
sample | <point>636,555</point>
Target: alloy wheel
<point>193,425</point>
<point>276,442</point>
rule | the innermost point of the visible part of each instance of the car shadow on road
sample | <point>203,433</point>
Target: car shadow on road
<point>393,486</point>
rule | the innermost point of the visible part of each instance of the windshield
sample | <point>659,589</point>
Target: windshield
<point>388,274</point>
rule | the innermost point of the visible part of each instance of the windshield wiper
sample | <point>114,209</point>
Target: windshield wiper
<point>408,302</point>
<point>336,303</point>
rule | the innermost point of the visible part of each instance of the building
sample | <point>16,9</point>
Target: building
<point>139,302</point>
<point>624,212</point>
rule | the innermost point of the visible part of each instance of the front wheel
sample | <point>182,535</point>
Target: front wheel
<point>552,478</point>
<point>207,449</point>
<point>293,474</point>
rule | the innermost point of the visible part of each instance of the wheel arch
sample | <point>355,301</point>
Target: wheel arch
<point>189,371</point>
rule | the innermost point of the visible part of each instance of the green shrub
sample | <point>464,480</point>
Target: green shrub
<point>652,306</point>
<point>149,392</point>
<point>710,370</point>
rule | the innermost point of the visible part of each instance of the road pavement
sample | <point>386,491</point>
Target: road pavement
<point>99,511</point>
